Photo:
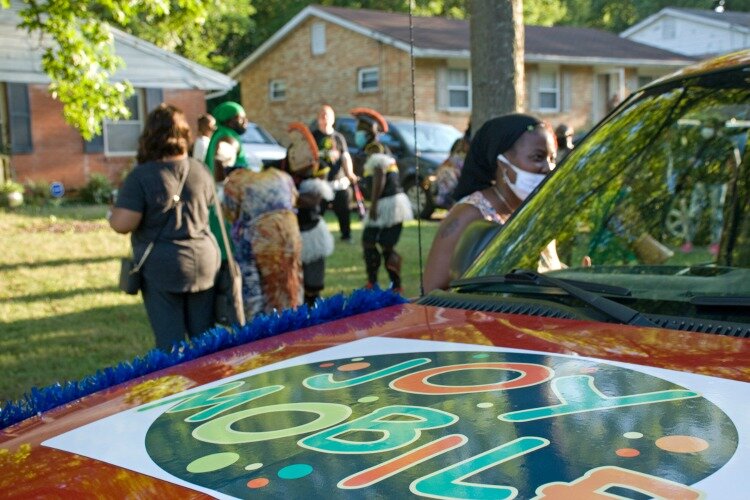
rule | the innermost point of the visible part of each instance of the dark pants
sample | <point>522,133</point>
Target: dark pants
<point>172,315</point>
<point>387,238</point>
<point>313,274</point>
<point>341,209</point>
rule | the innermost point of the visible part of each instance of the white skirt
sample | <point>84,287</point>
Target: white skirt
<point>316,243</point>
<point>392,210</point>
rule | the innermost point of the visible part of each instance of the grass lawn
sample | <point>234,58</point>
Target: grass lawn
<point>62,316</point>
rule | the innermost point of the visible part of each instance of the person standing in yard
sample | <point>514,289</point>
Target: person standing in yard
<point>225,154</point>
<point>317,241</point>
<point>335,156</point>
<point>206,127</point>
<point>389,205</point>
<point>260,206</point>
<point>164,203</point>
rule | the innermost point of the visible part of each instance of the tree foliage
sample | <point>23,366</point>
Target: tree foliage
<point>79,55</point>
<point>80,60</point>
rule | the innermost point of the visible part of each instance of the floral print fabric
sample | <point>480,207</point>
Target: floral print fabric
<point>260,206</point>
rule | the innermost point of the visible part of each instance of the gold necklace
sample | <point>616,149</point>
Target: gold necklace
<point>501,198</point>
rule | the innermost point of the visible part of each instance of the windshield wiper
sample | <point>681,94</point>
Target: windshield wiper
<point>720,301</point>
<point>614,310</point>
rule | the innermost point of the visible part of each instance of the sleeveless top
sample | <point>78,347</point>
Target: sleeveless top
<point>548,258</point>
<point>478,200</point>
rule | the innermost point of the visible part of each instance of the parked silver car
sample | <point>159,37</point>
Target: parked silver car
<point>260,147</point>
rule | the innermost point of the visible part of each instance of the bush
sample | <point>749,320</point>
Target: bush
<point>98,190</point>
<point>37,193</point>
<point>8,198</point>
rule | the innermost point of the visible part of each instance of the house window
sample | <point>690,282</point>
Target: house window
<point>20,118</point>
<point>668,29</point>
<point>318,39</point>
<point>368,79</point>
<point>277,90</point>
<point>549,90</point>
<point>121,136</point>
<point>459,89</point>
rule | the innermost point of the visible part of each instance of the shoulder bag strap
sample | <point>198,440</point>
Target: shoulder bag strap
<point>220,215</point>
<point>176,198</point>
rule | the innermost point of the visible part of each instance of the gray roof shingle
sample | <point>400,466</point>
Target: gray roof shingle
<point>439,33</point>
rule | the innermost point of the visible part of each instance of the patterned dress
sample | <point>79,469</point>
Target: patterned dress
<point>260,206</point>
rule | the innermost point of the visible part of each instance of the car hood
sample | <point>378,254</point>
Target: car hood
<point>273,415</point>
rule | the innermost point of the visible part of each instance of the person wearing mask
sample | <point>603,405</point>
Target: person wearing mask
<point>317,242</point>
<point>447,174</point>
<point>334,155</point>
<point>225,154</point>
<point>564,136</point>
<point>206,127</point>
<point>164,203</point>
<point>389,205</point>
<point>508,158</point>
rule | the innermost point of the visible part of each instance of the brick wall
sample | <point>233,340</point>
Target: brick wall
<point>58,148</point>
<point>332,78</point>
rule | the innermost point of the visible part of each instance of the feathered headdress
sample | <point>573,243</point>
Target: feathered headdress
<point>303,150</point>
<point>371,116</point>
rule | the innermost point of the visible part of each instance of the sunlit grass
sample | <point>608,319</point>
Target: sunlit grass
<point>62,316</point>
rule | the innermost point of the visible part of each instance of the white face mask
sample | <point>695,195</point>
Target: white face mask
<point>526,182</point>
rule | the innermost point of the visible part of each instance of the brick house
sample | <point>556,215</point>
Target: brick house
<point>360,57</point>
<point>38,142</point>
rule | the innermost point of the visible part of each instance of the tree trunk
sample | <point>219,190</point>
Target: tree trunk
<point>497,47</point>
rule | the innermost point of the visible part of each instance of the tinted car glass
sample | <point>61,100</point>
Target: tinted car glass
<point>656,196</point>
<point>431,137</point>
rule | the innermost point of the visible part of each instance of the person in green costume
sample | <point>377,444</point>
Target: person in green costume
<point>225,154</point>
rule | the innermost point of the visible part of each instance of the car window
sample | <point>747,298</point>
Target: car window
<point>657,197</point>
<point>347,127</point>
<point>431,137</point>
<point>257,135</point>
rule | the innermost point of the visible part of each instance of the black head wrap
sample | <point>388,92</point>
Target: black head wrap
<point>496,136</point>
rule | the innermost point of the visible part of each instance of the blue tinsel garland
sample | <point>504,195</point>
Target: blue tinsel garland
<point>214,340</point>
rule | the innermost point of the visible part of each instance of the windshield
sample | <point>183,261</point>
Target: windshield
<point>256,135</point>
<point>431,137</point>
<point>657,197</point>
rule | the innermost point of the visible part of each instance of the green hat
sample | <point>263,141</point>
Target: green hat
<point>227,110</point>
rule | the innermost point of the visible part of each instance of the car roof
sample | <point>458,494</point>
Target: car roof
<point>726,62</point>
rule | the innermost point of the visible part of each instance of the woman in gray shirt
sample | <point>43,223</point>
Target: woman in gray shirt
<point>165,200</point>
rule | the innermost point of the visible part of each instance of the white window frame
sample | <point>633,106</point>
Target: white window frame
<point>110,126</point>
<point>466,88</point>
<point>549,90</point>
<point>361,72</point>
<point>277,90</point>
<point>318,39</point>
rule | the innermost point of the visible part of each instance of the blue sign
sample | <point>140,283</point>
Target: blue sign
<point>56,189</point>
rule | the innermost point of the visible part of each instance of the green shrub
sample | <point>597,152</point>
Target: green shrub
<point>37,193</point>
<point>6,190</point>
<point>11,187</point>
<point>98,190</point>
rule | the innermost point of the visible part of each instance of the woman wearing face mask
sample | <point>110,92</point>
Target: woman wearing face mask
<point>223,155</point>
<point>508,158</point>
<point>389,206</point>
